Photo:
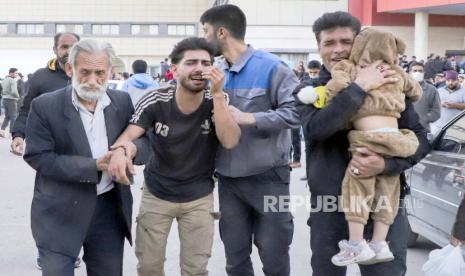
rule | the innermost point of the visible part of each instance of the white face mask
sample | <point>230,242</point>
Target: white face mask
<point>418,76</point>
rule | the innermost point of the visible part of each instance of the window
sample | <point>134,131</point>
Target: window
<point>30,29</point>
<point>454,138</point>
<point>144,29</point>
<point>3,29</point>
<point>78,29</point>
<point>181,30</point>
<point>105,29</point>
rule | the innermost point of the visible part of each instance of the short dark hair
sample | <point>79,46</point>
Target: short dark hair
<point>228,16</point>
<point>139,66</point>
<point>12,70</point>
<point>314,64</point>
<point>125,75</point>
<point>415,63</point>
<point>332,20</point>
<point>190,43</point>
<point>58,35</point>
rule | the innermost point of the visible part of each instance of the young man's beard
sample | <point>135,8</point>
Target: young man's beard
<point>216,48</point>
<point>83,93</point>
<point>183,81</point>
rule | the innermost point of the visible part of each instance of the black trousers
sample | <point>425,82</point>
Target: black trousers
<point>296,146</point>
<point>245,218</point>
<point>328,228</point>
<point>103,244</point>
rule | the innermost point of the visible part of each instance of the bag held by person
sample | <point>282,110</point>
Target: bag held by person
<point>447,261</point>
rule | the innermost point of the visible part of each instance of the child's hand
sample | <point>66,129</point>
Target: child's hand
<point>307,95</point>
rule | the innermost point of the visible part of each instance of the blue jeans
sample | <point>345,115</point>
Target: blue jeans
<point>244,219</point>
<point>328,228</point>
<point>103,244</point>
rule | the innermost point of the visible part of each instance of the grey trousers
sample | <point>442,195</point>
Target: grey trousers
<point>11,112</point>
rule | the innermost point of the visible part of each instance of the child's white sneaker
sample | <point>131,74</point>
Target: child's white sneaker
<point>351,254</point>
<point>382,251</point>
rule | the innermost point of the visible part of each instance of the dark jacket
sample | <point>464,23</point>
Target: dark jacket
<point>428,106</point>
<point>325,131</point>
<point>44,80</point>
<point>310,82</point>
<point>433,67</point>
<point>458,231</point>
<point>66,174</point>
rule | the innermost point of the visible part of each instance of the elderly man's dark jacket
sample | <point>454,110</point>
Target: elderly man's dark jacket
<point>65,192</point>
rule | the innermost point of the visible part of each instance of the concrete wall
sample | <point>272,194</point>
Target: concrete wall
<point>285,24</point>
<point>152,48</point>
<point>440,38</point>
<point>280,26</point>
<point>104,10</point>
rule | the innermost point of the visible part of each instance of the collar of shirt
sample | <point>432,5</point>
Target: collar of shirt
<point>240,62</point>
<point>103,102</point>
<point>459,87</point>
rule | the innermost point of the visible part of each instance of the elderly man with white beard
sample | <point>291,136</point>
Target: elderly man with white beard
<point>75,202</point>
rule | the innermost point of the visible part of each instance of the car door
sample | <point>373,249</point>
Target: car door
<point>437,182</point>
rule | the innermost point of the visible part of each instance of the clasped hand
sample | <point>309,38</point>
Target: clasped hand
<point>120,165</point>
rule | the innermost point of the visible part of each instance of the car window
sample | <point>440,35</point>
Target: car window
<point>453,139</point>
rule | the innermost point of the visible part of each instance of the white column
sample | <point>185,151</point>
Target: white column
<point>421,35</point>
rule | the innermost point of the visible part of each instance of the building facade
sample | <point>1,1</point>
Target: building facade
<point>148,29</point>
<point>426,26</point>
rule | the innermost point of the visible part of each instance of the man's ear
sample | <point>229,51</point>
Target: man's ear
<point>222,33</point>
<point>69,70</point>
<point>174,69</point>
<point>55,51</point>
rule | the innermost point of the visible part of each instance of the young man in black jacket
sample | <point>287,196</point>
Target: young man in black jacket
<point>48,79</point>
<point>325,132</point>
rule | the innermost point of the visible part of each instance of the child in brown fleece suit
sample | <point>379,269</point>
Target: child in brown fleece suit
<point>375,127</point>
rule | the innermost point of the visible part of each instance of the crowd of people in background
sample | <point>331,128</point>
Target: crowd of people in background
<point>435,66</point>
<point>162,78</point>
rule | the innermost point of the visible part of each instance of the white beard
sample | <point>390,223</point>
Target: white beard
<point>84,92</point>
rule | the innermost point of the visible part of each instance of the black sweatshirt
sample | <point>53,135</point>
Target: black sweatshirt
<point>44,80</point>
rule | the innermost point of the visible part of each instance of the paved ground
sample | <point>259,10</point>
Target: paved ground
<point>18,251</point>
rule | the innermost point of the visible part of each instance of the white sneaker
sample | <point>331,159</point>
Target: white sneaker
<point>383,253</point>
<point>352,254</point>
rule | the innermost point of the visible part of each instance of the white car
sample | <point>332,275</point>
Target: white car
<point>115,84</point>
